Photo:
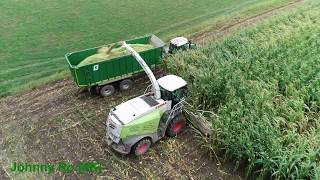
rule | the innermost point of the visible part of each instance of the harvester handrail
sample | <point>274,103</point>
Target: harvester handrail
<point>177,107</point>
<point>148,88</point>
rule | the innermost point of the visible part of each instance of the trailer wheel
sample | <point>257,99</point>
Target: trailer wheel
<point>176,125</point>
<point>126,84</point>
<point>93,90</point>
<point>107,90</point>
<point>142,146</point>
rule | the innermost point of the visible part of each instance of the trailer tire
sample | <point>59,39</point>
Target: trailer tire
<point>176,125</point>
<point>107,90</point>
<point>142,146</point>
<point>126,85</point>
<point>93,90</point>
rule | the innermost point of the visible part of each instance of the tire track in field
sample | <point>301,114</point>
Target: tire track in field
<point>208,15</point>
<point>212,34</point>
<point>32,65</point>
<point>31,76</point>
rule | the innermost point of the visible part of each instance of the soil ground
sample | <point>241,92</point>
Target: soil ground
<point>58,123</point>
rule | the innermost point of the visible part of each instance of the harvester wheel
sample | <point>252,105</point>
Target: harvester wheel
<point>142,146</point>
<point>107,90</point>
<point>126,84</point>
<point>176,125</point>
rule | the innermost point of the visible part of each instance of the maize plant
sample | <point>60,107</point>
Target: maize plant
<point>264,85</point>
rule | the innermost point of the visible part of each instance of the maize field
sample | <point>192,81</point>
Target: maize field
<point>263,84</point>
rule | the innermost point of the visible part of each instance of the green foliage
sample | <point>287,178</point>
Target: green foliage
<point>264,84</point>
<point>36,34</point>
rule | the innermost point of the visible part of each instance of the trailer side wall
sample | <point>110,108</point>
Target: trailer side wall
<point>108,71</point>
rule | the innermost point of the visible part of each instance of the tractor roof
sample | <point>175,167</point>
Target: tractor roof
<point>171,82</point>
<point>179,41</point>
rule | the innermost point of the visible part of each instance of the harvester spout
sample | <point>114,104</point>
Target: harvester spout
<point>143,64</point>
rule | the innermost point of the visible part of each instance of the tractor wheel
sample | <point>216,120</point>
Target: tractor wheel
<point>126,84</point>
<point>107,90</point>
<point>142,146</point>
<point>176,125</point>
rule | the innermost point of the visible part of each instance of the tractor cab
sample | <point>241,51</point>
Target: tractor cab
<point>180,43</point>
<point>173,88</point>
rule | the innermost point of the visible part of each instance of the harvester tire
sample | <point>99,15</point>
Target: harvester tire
<point>142,146</point>
<point>176,126</point>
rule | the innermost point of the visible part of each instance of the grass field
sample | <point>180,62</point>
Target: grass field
<point>35,34</point>
<point>264,86</point>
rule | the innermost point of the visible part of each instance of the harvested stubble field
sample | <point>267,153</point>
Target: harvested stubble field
<point>57,123</point>
<point>264,86</point>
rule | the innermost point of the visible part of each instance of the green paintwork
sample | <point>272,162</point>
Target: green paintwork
<point>147,124</point>
<point>111,70</point>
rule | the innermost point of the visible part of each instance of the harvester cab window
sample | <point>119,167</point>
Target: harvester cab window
<point>165,94</point>
<point>178,94</point>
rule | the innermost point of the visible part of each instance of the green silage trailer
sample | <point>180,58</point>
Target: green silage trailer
<point>106,76</point>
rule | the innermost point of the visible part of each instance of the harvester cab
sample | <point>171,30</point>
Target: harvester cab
<point>180,43</point>
<point>135,124</point>
<point>173,88</point>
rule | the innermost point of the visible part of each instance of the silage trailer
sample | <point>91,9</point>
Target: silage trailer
<point>105,76</point>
